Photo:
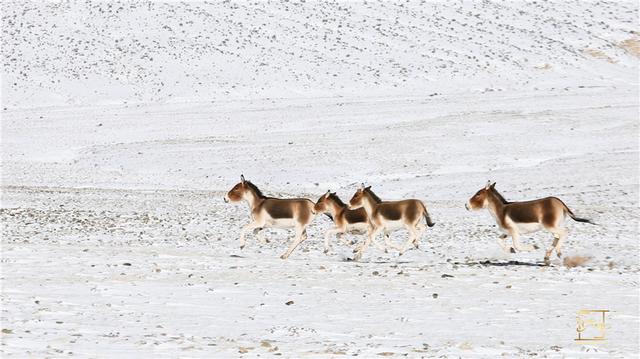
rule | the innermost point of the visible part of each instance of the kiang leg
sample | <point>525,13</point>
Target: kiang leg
<point>421,228</point>
<point>560,235</point>
<point>359,246</point>
<point>515,236</point>
<point>379,245</point>
<point>388,243</point>
<point>301,235</point>
<point>248,227</point>
<point>413,237</point>
<point>327,237</point>
<point>502,242</point>
<point>366,243</point>
<point>347,242</point>
<point>259,233</point>
<point>547,254</point>
<point>340,236</point>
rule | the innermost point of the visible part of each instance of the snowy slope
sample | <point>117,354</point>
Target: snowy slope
<point>105,52</point>
<point>123,124</point>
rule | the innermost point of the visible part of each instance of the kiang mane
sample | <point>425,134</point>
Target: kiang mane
<point>373,195</point>
<point>255,189</point>
<point>499,196</point>
<point>337,200</point>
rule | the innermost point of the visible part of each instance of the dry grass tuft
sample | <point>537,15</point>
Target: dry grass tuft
<point>631,46</point>
<point>575,261</point>
<point>543,66</point>
<point>599,55</point>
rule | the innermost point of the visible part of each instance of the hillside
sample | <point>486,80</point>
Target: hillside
<point>57,53</point>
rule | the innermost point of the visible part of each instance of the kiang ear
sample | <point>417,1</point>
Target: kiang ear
<point>334,193</point>
<point>368,187</point>
<point>242,179</point>
<point>488,184</point>
<point>493,185</point>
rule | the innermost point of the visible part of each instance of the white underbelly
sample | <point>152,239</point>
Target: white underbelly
<point>528,227</point>
<point>357,227</point>
<point>393,225</point>
<point>281,223</point>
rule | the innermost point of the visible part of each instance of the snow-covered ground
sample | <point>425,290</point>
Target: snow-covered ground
<point>123,124</point>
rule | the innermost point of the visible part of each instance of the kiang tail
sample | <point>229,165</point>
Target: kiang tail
<point>430,223</point>
<point>577,219</point>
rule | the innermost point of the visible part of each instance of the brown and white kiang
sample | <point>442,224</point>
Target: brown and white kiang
<point>388,216</point>
<point>516,218</point>
<point>269,212</point>
<point>367,213</point>
<point>345,220</point>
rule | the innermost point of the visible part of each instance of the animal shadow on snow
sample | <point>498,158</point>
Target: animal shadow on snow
<point>490,263</point>
<point>390,261</point>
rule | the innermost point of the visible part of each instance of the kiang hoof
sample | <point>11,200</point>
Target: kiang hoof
<point>242,247</point>
<point>386,250</point>
<point>284,256</point>
<point>326,251</point>
<point>512,250</point>
<point>535,246</point>
<point>559,255</point>
<point>547,261</point>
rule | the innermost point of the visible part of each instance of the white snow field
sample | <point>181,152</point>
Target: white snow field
<point>123,125</point>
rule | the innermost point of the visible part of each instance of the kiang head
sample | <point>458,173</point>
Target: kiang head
<point>327,202</point>
<point>357,201</point>
<point>322,205</point>
<point>237,192</point>
<point>480,200</point>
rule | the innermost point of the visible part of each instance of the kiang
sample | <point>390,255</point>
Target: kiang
<point>367,214</point>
